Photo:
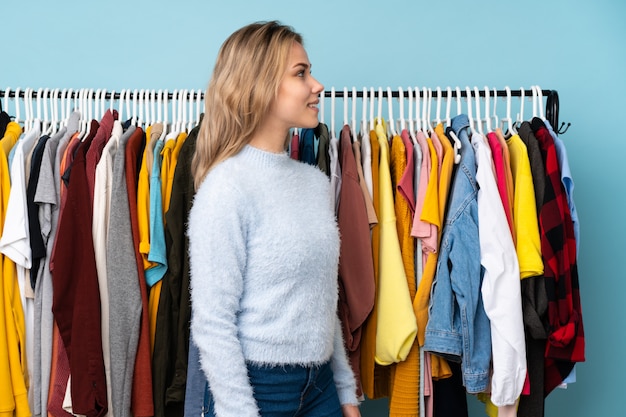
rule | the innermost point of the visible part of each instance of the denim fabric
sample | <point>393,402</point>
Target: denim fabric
<point>290,391</point>
<point>458,328</point>
<point>196,383</point>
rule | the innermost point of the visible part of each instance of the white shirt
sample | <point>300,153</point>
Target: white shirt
<point>501,288</point>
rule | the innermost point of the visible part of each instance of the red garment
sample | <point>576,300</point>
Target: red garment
<point>405,186</point>
<point>295,146</point>
<point>76,298</point>
<point>141,397</point>
<point>97,145</point>
<point>356,267</point>
<point>566,343</point>
<point>498,161</point>
<point>58,378</point>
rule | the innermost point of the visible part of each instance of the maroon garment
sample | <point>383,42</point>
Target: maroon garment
<point>356,266</point>
<point>97,145</point>
<point>566,341</point>
<point>142,404</point>
<point>76,298</point>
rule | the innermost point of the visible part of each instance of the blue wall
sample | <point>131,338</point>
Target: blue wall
<point>575,47</point>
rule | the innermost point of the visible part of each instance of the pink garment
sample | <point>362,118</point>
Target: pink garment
<point>498,160</point>
<point>295,146</point>
<point>428,386</point>
<point>405,186</point>
<point>439,149</point>
<point>422,229</point>
<point>427,228</point>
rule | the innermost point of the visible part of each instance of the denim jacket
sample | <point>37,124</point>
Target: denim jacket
<point>458,327</point>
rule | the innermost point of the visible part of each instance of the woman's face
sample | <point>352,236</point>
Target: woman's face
<point>296,104</point>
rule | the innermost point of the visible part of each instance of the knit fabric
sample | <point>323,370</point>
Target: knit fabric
<point>264,250</point>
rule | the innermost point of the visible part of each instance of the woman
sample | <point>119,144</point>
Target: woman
<point>264,242</point>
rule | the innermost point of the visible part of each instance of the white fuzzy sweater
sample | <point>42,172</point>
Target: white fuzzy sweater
<point>264,248</point>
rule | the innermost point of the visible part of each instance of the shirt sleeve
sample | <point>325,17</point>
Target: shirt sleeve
<point>343,375</point>
<point>217,260</point>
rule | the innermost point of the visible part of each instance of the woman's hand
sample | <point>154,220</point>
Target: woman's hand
<point>350,410</point>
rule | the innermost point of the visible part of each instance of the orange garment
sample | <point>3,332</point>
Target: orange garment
<point>404,397</point>
<point>374,378</point>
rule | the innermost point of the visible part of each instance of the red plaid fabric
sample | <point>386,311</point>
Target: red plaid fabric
<point>566,341</point>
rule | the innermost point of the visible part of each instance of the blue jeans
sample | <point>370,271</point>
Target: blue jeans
<point>290,391</point>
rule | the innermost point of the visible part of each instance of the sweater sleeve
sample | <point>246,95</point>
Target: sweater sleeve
<point>217,260</point>
<point>343,375</point>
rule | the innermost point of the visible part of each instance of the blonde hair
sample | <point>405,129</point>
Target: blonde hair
<point>245,81</point>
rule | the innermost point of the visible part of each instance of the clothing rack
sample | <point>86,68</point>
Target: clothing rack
<point>339,93</point>
<point>551,109</point>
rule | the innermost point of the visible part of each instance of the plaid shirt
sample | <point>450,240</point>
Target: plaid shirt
<point>566,342</point>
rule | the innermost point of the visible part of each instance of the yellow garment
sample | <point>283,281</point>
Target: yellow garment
<point>434,207</point>
<point>374,377</point>
<point>404,397</point>
<point>143,194</point>
<point>170,152</point>
<point>11,135</point>
<point>13,368</point>
<point>396,328</point>
<point>528,244</point>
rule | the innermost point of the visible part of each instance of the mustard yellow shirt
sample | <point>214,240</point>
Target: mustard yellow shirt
<point>13,367</point>
<point>404,399</point>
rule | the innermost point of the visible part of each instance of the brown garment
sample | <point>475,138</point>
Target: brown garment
<point>141,395</point>
<point>356,270</point>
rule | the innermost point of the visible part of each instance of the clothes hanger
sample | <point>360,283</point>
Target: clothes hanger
<point>520,115</point>
<point>56,122</point>
<point>192,103</point>
<point>438,115</point>
<point>120,105</point>
<point>425,111</point>
<point>379,120</point>
<point>448,105</point>
<point>346,120</point>
<point>199,106</point>
<point>411,100</point>
<point>103,96</point>
<point>372,102</point>
<point>354,100</point>
<point>494,116</point>
<point>46,126</point>
<point>390,122</point>
<point>332,113</point>
<point>534,100</point>
<point>401,108</point>
<point>322,99</point>
<point>488,110</point>
<point>65,107</point>
<point>540,103</point>
<point>140,106</point>
<point>456,142</point>
<point>470,116</point>
<point>479,120</point>
<point>4,104</point>
<point>17,105</point>
<point>507,120</point>
<point>364,106</point>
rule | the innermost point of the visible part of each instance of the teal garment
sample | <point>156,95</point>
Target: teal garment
<point>158,252</point>
<point>307,146</point>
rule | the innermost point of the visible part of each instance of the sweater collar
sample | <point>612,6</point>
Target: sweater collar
<point>263,158</point>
